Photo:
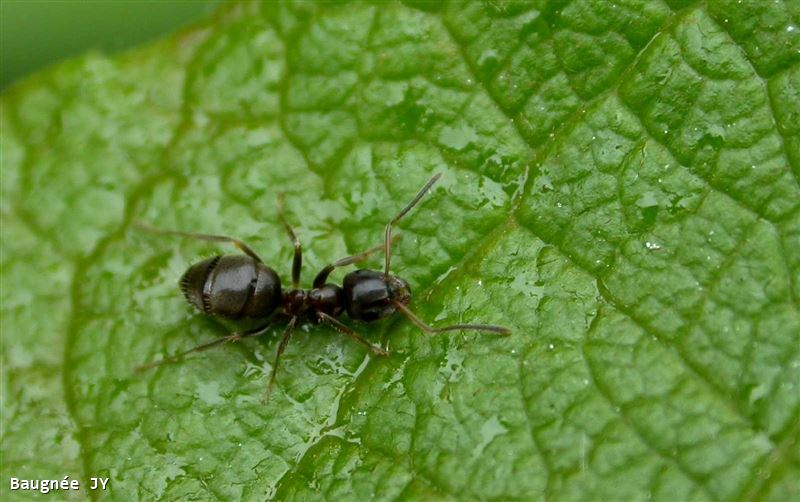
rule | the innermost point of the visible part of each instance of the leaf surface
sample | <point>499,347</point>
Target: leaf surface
<point>620,188</point>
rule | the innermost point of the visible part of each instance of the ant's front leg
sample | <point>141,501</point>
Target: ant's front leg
<point>323,274</point>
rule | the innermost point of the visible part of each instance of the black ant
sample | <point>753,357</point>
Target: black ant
<point>242,286</point>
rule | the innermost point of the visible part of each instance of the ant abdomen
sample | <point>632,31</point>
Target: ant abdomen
<point>232,287</point>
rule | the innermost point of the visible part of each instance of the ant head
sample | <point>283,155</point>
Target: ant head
<point>399,290</point>
<point>370,295</point>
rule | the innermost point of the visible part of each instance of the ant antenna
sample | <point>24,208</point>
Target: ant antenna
<point>387,234</point>
<point>490,328</point>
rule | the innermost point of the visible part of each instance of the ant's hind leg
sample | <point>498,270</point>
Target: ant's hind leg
<point>233,337</point>
<point>287,335</point>
<point>500,330</point>
<point>202,237</point>
<point>297,261</point>
<point>322,316</point>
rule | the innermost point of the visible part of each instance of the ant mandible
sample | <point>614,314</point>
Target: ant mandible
<point>242,286</point>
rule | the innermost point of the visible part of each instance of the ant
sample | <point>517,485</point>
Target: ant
<point>242,286</point>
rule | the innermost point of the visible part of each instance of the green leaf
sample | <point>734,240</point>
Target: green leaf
<point>620,188</point>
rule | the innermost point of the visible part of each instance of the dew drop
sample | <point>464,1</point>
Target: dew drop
<point>551,346</point>
<point>652,245</point>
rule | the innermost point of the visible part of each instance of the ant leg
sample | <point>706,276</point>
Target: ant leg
<point>203,237</point>
<point>287,335</point>
<point>500,330</point>
<point>233,337</point>
<point>297,261</point>
<point>387,234</point>
<point>322,316</point>
<point>323,274</point>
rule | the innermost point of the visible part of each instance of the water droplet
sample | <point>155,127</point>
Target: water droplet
<point>652,245</point>
<point>791,28</point>
<point>551,346</point>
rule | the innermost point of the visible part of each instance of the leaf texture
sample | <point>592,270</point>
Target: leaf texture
<point>620,188</point>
